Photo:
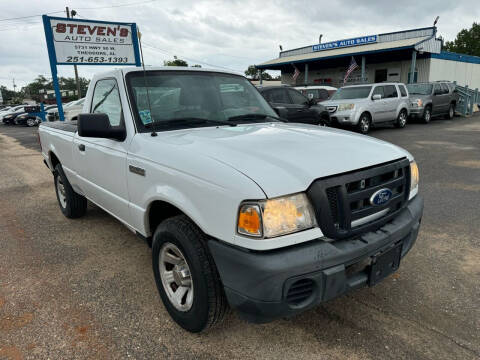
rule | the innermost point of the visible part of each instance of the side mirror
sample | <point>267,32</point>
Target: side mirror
<point>98,125</point>
<point>281,111</point>
<point>377,97</point>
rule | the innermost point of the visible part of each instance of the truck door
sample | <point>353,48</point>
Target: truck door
<point>300,109</point>
<point>437,99</point>
<point>445,104</point>
<point>391,102</point>
<point>101,163</point>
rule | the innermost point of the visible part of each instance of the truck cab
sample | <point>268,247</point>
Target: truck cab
<point>241,209</point>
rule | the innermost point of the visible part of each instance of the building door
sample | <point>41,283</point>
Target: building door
<point>381,75</point>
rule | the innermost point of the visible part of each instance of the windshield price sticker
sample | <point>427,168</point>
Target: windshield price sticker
<point>90,42</point>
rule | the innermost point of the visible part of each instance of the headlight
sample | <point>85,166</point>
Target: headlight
<point>275,217</point>
<point>418,103</point>
<point>345,107</point>
<point>414,175</point>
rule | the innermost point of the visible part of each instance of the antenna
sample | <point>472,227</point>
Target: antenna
<point>154,133</point>
<point>436,20</point>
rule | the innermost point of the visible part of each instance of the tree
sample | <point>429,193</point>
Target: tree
<point>252,73</point>
<point>175,62</point>
<point>41,83</point>
<point>10,97</point>
<point>467,41</point>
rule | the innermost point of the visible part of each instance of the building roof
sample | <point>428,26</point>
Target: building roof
<point>420,39</point>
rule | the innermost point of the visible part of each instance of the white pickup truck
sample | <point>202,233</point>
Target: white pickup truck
<point>242,209</point>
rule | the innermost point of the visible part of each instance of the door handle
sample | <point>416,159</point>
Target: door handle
<point>81,147</point>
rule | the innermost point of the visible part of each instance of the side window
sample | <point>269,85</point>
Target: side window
<point>436,89</point>
<point>297,98</point>
<point>379,91</point>
<point>445,88</point>
<point>403,91</point>
<point>278,96</point>
<point>106,100</point>
<point>322,94</point>
<point>391,91</point>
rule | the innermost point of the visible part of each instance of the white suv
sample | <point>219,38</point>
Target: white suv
<point>369,104</point>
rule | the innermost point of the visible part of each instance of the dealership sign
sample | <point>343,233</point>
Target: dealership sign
<point>90,42</point>
<point>345,43</point>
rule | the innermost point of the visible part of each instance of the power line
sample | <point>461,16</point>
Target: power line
<point>31,16</point>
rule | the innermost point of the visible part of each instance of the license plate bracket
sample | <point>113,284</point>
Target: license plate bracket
<point>385,264</point>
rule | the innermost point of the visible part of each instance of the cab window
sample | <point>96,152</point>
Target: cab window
<point>106,100</point>
<point>390,91</point>
<point>403,91</point>
<point>379,91</point>
<point>297,98</point>
<point>277,96</point>
<point>444,88</point>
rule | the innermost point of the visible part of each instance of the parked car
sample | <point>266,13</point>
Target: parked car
<point>241,209</point>
<point>432,99</point>
<point>9,118</point>
<point>295,107</point>
<point>52,114</point>
<point>72,111</point>
<point>364,106</point>
<point>30,119</point>
<point>317,93</point>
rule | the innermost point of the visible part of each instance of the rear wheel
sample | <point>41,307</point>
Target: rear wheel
<point>71,204</point>
<point>364,123</point>
<point>31,122</point>
<point>186,275</point>
<point>451,112</point>
<point>401,119</point>
<point>427,115</point>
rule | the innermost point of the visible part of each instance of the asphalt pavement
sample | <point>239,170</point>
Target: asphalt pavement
<point>77,289</point>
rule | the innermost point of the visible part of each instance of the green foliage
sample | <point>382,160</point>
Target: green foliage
<point>467,41</point>
<point>41,83</point>
<point>252,73</point>
<point>175,62</point>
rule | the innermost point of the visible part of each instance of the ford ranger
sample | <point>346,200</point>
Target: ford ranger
<point>242,210</point>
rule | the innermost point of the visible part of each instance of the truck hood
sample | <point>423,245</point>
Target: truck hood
<point>284,158</point>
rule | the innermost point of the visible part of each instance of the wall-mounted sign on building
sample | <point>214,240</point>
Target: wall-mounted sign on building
<point>345,43</point>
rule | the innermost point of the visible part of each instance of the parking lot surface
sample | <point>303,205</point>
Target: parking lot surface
<point>85,288</point>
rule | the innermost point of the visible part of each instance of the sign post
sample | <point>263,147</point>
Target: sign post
<point>88,42</point>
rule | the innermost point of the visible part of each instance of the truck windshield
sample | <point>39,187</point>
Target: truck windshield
<point>357,92</point>
<point>419,89</point>
<point>183,99</point>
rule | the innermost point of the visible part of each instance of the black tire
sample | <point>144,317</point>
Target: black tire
<point>427,114</point>
<point>451,112</point>
<point>364,123</point>
<point>30,122</point>
<point>401,119</point>
<point>209,302</point>
<point>75,205</point>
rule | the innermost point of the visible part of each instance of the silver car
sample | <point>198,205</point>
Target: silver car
<point>364,106</point>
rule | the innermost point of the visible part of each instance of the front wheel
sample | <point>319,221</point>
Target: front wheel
<point>364,124</point>
<point>31,122</point>
<point>186,275</point>
<point>402,119</point>
<point>451,112</point>
<point>427,115</point>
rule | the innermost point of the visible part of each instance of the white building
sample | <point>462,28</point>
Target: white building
<point>406,56</point>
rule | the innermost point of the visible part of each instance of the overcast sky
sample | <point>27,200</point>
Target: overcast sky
<point>230,34</point>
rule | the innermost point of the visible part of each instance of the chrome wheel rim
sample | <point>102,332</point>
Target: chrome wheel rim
<point>62,196</point>
<point>403,118</point>
<point>30,122</point>
<point>176,277</point>
<point>364,125</point>
<point>427,115</point>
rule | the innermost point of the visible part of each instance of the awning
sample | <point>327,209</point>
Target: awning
<point>341,52</point>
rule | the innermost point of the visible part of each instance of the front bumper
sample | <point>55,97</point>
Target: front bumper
<point>257,283</point>
<point>344,118</point>
<point>416,111</point>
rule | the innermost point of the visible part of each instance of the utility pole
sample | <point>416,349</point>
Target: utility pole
<point>75,66</point>
<point>14,86</point>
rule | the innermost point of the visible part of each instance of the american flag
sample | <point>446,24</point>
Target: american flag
<point>353,66</point>
<point>295,73</point>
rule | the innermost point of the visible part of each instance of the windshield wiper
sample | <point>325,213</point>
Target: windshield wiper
<point>252,117</point>
<point>189,120</point>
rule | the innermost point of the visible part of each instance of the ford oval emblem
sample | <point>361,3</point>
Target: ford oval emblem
<point>381,197</point>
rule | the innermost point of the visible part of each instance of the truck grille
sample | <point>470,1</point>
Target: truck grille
<point>342,202</point>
